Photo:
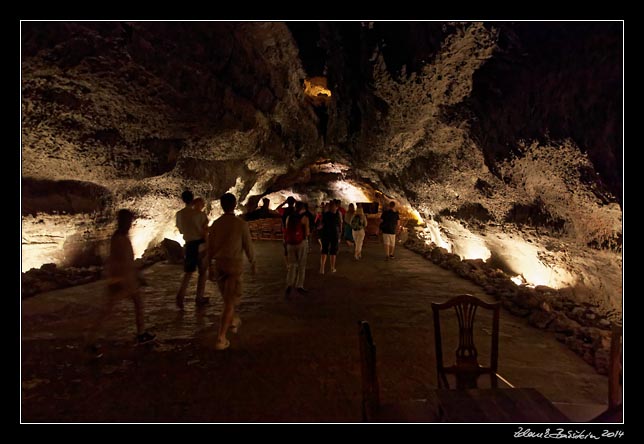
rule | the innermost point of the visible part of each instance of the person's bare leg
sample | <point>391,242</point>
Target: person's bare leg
<point>322,263</point>
<point>332,261</point>
<point>229,289</point>
<point>225,322</point>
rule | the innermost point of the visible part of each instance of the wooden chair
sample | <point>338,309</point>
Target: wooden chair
<point>614,412</point>
<point>467,368</point>
<point>417,410</point>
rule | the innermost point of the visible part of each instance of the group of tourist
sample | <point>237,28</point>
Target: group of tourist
<point>216,252</point>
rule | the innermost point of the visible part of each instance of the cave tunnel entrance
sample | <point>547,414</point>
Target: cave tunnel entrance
<point>324,180</point>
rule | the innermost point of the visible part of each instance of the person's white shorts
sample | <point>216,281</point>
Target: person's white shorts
<point>389,239</point>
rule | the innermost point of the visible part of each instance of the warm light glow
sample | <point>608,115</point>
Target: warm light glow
<point>254,191</point>
<point>44,237</point>
<point>316,86</point>
<point>416,216</point>
<point>472,249</point>
<point>236,189</point>
<point>465,243</point>
<point>518,279</point>
<point>348,193</point>
<point>33,256</point>
<point>174,235</point>
<point>523,258</point>
<point>518,255</point>
<point>141,234</point>
<point>432,234</point>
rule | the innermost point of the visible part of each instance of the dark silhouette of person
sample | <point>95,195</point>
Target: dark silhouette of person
<point>193,225</point>
<point>263,212</point>
<point>286,212</point>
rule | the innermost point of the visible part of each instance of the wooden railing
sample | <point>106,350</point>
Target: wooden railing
<point>266,229</point>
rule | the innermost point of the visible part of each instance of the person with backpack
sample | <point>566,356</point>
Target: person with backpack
<point>358,224</point>
<point>346,226</point>
<point>296,234</point>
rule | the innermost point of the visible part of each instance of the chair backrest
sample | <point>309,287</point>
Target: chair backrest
<point>370,388</point>
<point>467,368</point>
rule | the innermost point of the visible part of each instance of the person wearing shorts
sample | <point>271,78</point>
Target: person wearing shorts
<point>192,223</point>
<point>389,228</point>
<point>228,239</point>
<point>330,236</point>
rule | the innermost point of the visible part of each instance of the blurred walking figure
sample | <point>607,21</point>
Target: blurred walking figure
<point>192,222</point>
<point>123,281</point>
<point>228,239</point>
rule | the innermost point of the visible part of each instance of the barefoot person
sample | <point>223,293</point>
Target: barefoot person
<point>123,281</point>
<point>228,239</point>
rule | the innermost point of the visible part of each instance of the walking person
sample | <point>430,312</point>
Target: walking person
<point>228,239</point>
<point>358,225</point>
<point>285,213</point>
<point>330,236</point>
<point>192,223</point>
<point>296,239</point>
<point>389,227</point>
<point>123,281</point>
